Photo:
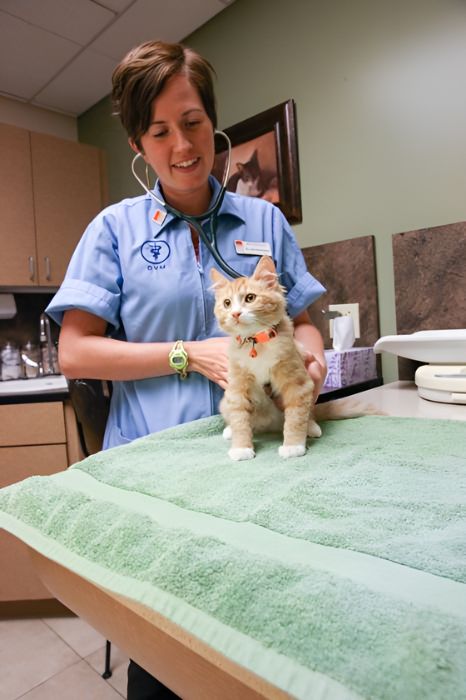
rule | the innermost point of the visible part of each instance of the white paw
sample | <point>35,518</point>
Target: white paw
<point>287,451</point>
<point>238,454</point>
<point>313,429</point>
<point>227,433</point>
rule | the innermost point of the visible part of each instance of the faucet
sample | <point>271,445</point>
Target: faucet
<point>45,342</point>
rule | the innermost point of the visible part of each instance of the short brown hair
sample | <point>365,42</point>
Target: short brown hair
<point>142,74</point>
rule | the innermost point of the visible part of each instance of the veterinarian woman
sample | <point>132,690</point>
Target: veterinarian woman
<point>135,306</point>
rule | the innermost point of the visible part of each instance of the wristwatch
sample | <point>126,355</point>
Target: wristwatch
<point>178,359</point>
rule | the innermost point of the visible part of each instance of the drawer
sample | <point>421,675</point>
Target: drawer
<point>17,463</point>
<point>32,424</point>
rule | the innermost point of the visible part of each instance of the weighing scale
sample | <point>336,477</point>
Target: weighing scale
<point>443,379</point>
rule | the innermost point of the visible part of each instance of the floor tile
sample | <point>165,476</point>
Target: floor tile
<point>30,653</point>
<point>80,636</point>
<point>77,682</point>
<point>118,664</point>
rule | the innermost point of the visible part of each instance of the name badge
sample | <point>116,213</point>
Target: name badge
<point>252,248</point>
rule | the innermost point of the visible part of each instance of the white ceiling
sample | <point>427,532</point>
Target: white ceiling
<point>60,54</point>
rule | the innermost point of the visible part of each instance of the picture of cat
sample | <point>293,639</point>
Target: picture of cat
<point>250,180</point>
<point>253,168</point>
<point>266,363</point>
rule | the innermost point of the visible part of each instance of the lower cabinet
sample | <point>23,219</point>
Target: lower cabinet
<point>35,439</point>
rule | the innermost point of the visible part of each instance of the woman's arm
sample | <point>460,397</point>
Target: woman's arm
<point>311,339</point>
<point>85,351</point>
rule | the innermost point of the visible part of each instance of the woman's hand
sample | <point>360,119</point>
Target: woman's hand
<point>210,358</point>
<point>317,372</point>
<point>311,341</point>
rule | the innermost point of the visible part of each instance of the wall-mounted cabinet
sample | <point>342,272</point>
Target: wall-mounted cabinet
<point>50,189</point>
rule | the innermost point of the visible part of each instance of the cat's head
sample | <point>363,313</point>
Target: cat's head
<point>246,305</point>
<point>250,169</point>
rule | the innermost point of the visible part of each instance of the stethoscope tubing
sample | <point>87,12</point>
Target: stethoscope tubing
<point>196,221</point>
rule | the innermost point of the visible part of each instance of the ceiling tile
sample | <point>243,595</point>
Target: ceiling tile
<point>116,5</point>
<point>78,21</point>
<point>40,40</point>
<point>72,92</point>
<point>149,19</point>
<point>24,72</point>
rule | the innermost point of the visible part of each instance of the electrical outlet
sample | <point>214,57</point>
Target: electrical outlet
<point>346,310</point>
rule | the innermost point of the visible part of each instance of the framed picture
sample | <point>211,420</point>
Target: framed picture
<point>264,159</point>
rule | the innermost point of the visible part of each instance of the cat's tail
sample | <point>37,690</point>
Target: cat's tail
<point>345,408</point>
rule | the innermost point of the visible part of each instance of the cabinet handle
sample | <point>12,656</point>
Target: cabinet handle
<point>32,268</point>
<point>48,274</point>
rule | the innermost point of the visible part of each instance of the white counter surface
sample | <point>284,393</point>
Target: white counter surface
<point>51,384</point>
<point>402,399</point>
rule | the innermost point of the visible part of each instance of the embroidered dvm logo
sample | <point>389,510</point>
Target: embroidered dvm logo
<point>155,252</point>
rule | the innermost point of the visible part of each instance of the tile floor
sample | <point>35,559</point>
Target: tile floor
<point>57,657</point>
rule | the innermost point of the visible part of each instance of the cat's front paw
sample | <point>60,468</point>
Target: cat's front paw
<point>313,429</point>
<point>238,454</point>
<point>227,433</point>
<point>287,451</point>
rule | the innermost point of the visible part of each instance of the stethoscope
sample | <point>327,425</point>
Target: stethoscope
<point>210,240</point>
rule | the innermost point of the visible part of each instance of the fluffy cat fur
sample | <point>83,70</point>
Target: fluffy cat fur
<point>265,362</point>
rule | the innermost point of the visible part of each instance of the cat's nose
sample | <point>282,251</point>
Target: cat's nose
<point>236,314</point>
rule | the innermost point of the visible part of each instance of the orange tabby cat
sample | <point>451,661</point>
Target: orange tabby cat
<point>265,362</point>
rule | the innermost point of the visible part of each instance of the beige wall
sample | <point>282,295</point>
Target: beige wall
<point>381,110</point>
<point>44,121</point>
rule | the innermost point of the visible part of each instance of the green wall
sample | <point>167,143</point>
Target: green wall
<point>381,112</point>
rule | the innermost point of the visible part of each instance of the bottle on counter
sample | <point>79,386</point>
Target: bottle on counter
<point>49,359</point>
<point>30,356</point>
<point>11,362</point>
<point>48,349</point>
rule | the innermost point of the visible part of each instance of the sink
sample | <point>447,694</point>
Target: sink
<point>55,383</point>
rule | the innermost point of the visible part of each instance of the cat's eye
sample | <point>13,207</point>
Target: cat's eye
<point>249,298</point>
<point>226,303</point>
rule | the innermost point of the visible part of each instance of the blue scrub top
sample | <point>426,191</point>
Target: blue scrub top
<point>143,278</point>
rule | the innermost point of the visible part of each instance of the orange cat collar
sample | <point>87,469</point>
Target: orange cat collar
<point>261,337</point>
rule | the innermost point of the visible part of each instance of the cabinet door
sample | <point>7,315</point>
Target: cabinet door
<point>18,248</point>
<point>67,183</point>
<point>32,424</point>
<point>18,463</point>
<point>18,581</point>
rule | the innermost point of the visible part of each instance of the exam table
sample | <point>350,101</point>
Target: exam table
<point>201,653</point>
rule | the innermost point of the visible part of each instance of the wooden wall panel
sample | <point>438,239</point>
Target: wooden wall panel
<point>348,272</point>
<point>430,282</point>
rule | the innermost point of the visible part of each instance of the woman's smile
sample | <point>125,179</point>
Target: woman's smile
<point>187,165</point>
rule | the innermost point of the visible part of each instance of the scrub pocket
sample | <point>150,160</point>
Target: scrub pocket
<point>114,437</point>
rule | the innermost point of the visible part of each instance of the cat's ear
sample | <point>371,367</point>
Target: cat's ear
<point>266,272</point>
<point>218,279</point>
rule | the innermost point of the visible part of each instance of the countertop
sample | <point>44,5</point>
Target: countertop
<point>402,399</point>
<point>396,399</point>
<point>49,388</point>
<point>55,388</point>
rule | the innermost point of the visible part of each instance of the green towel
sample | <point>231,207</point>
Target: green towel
<point>340,574</point>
